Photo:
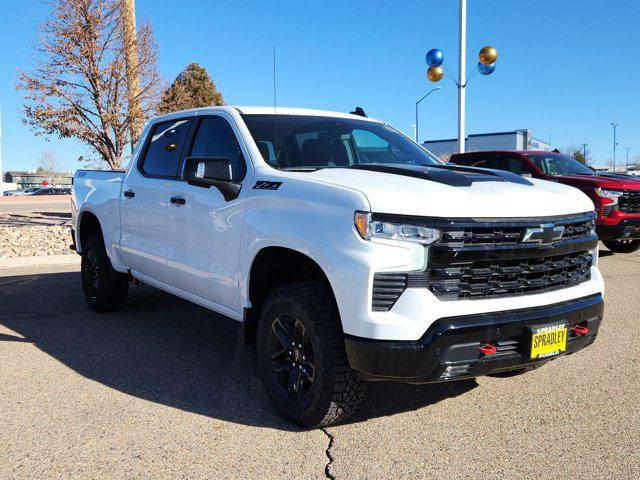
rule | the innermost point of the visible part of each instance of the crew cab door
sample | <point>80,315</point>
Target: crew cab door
<point>203,228</point>
<point>144,197</point>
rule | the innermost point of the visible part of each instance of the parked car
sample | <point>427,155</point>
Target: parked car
<point>52,191</point>
<point>26,191</point>
<point>348,252</point>
<point>616,197</point>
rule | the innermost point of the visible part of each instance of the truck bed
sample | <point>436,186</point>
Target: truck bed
<point>98,192</point>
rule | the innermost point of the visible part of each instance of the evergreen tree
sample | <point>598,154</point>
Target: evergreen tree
<point>191,89</point>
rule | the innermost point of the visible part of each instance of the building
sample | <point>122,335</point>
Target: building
<point>33,179</point>
<point>514,140</point>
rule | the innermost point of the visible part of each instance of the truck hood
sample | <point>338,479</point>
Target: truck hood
<point>455,192</point>
<point>613,181</point>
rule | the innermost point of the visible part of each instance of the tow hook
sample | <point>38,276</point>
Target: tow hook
<point>488,349</point>
<point>579,330</point>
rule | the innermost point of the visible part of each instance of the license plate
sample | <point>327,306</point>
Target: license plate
<point>548,340</point>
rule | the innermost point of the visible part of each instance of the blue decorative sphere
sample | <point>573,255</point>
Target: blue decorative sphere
<point>434,57</point>
<point>486,69</point>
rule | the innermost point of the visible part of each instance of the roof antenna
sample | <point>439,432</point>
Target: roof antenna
<point>275,109</point>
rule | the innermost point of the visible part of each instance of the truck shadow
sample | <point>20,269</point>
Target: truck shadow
<point>166,350</point>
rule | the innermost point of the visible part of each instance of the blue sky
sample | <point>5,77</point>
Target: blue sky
<point>566,68</point>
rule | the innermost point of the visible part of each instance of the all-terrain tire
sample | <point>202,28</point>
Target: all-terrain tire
<point>336,392</point>
<point>104,288</point>
<point>622,246</point>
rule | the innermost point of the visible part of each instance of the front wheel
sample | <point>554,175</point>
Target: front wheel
<point>104,288</point>
<point>622,246</point>
<point>301,356</point>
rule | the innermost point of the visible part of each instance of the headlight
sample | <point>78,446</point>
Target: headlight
<point>368,229</point>
<point>611,202</point>
<point>613,194</point>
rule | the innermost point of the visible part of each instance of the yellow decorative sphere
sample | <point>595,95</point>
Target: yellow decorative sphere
<point>435,74</point>
<point>488,55</point>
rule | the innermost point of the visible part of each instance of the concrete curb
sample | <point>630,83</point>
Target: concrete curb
<point>35,199</point>
<point>39,261</point>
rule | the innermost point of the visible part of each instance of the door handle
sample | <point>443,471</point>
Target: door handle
<point>178,200</point>
<point>129,193</point>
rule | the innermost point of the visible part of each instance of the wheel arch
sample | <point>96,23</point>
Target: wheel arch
<point>272,267</point>
<point>88,225</point>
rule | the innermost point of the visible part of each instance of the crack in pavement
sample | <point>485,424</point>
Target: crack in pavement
<point>327,468</point>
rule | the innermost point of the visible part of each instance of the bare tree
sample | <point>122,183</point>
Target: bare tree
<point>78,84</point>
<point>48,162</point>
<point>445,157</point>
<point>580,153</point>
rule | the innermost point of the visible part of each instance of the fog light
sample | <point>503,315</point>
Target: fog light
<point>454,371</point>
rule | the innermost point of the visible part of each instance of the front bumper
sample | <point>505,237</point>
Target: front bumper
<point>449,349</point>
<point>624,230</point>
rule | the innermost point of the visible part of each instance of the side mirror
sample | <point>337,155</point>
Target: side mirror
<point>212,172</point>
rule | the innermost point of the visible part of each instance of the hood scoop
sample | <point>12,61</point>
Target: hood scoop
<point>451,175</point>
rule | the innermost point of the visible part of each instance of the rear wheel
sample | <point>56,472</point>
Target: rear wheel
<point>104,288</point>
<point>622,246</point>
<point>301,357</point>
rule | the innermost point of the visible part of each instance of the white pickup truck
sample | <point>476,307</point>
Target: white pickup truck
<point>348,252</point>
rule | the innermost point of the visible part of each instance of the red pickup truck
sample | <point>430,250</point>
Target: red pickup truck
<point>616,197</point>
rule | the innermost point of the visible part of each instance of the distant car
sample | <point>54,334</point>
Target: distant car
<point>616,197</point>
<point>52,191</point>
<point>26,191</point>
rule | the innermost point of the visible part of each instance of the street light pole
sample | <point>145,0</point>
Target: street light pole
<point>627,149</point>
<point>462,61</point>
<point>418,103</point>
<point>614,125</point>
<point>584,152</point>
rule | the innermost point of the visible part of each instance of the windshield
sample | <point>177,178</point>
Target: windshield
<point>556,164</point>
<point>304,142</point>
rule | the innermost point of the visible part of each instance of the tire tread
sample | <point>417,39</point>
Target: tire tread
<point>346,392</point>
<point>114,285</point>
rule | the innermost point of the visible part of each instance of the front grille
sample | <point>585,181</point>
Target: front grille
<point>507,233</point>
<point>629,201</point>
<point>485,259</point>
<point>509,277</point>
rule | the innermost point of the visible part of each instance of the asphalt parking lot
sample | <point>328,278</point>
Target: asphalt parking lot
<point>163,389</point>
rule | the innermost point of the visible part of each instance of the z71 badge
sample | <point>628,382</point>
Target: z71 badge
<point>265,185</point>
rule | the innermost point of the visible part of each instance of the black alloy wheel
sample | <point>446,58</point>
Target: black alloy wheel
<point>292,356</point>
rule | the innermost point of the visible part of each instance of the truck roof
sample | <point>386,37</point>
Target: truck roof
<point>257,110</point>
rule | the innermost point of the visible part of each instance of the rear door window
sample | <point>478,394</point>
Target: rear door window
<point>482,162</point>
<point>162,156</point>
<point>511,164</point>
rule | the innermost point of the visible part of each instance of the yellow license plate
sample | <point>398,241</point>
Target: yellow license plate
<point>549,340</point>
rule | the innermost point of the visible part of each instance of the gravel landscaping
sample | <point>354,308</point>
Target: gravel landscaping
<point>30,234</point>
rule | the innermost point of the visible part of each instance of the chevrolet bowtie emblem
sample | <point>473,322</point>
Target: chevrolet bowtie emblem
<point>545,234</point>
